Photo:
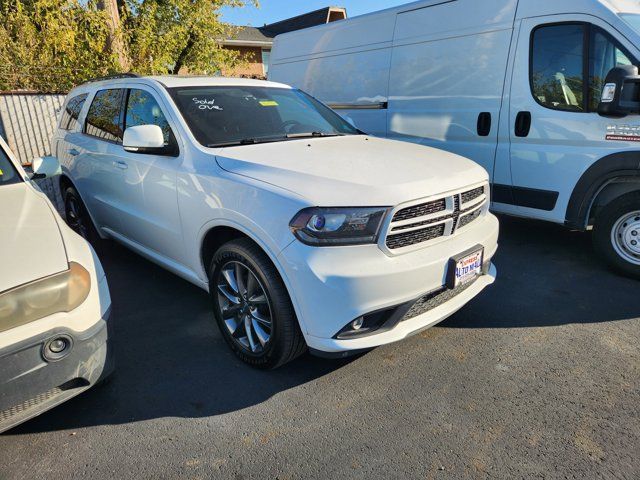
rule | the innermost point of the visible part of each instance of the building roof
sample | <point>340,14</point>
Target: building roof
<point>264,35</point>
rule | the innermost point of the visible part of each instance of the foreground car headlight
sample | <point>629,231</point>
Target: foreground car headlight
<point>61,292</point>
<point>338,226</point>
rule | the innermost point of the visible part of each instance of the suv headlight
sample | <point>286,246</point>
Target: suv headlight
<point>61,292</point>
<point>318,226</point>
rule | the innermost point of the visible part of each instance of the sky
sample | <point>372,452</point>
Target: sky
<point>275,10</point>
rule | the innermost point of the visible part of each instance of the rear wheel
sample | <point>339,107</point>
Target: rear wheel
<point>616,234</point>
<point>78,217</point>
<point>252,306</point>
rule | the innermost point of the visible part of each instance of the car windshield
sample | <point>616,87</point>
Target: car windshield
<point>238,115</point>
<point>8,173</point>
<point>632,19</point>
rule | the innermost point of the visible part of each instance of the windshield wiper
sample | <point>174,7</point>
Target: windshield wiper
<point>313,134</point>
<point>247,141</point>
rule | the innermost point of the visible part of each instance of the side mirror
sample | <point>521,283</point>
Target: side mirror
<point>143,139</point>
<point>621,92</point>
<point>45,167</point>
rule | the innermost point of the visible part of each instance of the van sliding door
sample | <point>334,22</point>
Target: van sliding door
<point>447,76</point>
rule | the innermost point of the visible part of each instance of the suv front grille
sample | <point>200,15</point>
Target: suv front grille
<point>421,210</point>
<point>456,211</point>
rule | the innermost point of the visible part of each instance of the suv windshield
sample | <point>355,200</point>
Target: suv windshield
<point>238,115</point>
<point>8,173</point>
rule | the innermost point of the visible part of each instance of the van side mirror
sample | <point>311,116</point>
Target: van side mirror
<point>45,167</point>
<point>143,139</point>
<point>621,92</point>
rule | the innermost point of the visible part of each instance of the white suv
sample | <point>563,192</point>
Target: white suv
<point>306,232</point>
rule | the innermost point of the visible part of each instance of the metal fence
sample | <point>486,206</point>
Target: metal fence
<point>27,123</point>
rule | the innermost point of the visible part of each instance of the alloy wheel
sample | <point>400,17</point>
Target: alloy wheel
<point>244,307</point>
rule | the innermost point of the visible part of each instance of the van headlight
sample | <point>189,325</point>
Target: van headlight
<point>61,292</point>
<point>318,226</point>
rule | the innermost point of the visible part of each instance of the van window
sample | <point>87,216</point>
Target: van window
<point>605,54</point>
<point>69,120</point>
<point>557,62</point>
<point>143,109</point>
<point>104,117</point>
<point>559,68</point>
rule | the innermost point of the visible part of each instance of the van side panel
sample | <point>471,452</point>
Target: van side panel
<point>346,80</point>
<point>342,64</point>
<point>448,67</point>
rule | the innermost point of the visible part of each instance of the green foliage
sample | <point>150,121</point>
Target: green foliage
<point>52,45</point>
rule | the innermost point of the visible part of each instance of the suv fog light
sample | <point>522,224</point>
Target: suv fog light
<point>357,323</point>
<point>57,348</point>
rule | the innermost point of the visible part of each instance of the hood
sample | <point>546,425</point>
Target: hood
<point>353,170</point>
<point>31,245</point>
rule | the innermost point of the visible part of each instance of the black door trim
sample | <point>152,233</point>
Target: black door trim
<point>525,197</point>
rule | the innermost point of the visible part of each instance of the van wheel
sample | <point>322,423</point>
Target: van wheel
<point>616,234</point>
<point>78,218</point>
<point>252,306</point>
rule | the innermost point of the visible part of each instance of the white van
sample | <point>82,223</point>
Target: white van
<point>514,85</point>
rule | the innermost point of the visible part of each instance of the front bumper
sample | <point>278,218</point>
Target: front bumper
<point>331,287</point>
<point>31,385</point>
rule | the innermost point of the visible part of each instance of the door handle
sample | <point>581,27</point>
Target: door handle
<point>120,164</point>
<point>73,152</point>
<point>523,124</point>
<point>484,124</point>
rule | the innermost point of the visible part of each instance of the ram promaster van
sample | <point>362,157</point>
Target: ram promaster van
<point>545,95</point>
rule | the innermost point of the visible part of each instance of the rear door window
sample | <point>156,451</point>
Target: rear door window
<point>104,119</point>
<point>69,120</point>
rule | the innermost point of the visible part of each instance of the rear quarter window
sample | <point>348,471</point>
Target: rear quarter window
<point>71,113</point>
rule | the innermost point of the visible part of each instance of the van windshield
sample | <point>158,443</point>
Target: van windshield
<point>8,173</point>
<point>238,115</point>
<point>632,19</point>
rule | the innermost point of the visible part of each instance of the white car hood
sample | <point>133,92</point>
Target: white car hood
<point>353,170</point>
<point>31,245</point>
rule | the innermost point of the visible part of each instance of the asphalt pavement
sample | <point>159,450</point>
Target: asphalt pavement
<point>538,377</point>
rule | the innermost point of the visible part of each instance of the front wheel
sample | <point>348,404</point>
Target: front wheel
<point>616,234</point>
<point>252,306</point>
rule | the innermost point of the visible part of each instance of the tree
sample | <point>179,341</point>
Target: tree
<point>52,45</point>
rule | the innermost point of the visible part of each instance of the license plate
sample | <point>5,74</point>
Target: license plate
<point>465,267</point>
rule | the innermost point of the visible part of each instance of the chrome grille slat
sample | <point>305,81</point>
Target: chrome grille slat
<point>458,211</point>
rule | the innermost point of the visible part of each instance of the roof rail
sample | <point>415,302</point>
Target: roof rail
<point>115,76</point>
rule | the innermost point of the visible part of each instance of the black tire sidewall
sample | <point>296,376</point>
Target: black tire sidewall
<point>602,231</point>
<point>92,234</point>
<point>274,289</point>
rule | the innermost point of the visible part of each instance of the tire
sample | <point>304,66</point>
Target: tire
<point>616,229</point>
<point>259,323</point>
<point>78,219</point>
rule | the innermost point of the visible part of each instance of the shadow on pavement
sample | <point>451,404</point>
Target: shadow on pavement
<point>548,275</point>
<point>172,362</point>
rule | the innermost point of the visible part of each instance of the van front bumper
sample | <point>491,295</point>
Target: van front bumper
<point>30,384</point>
<point>331,287</point>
